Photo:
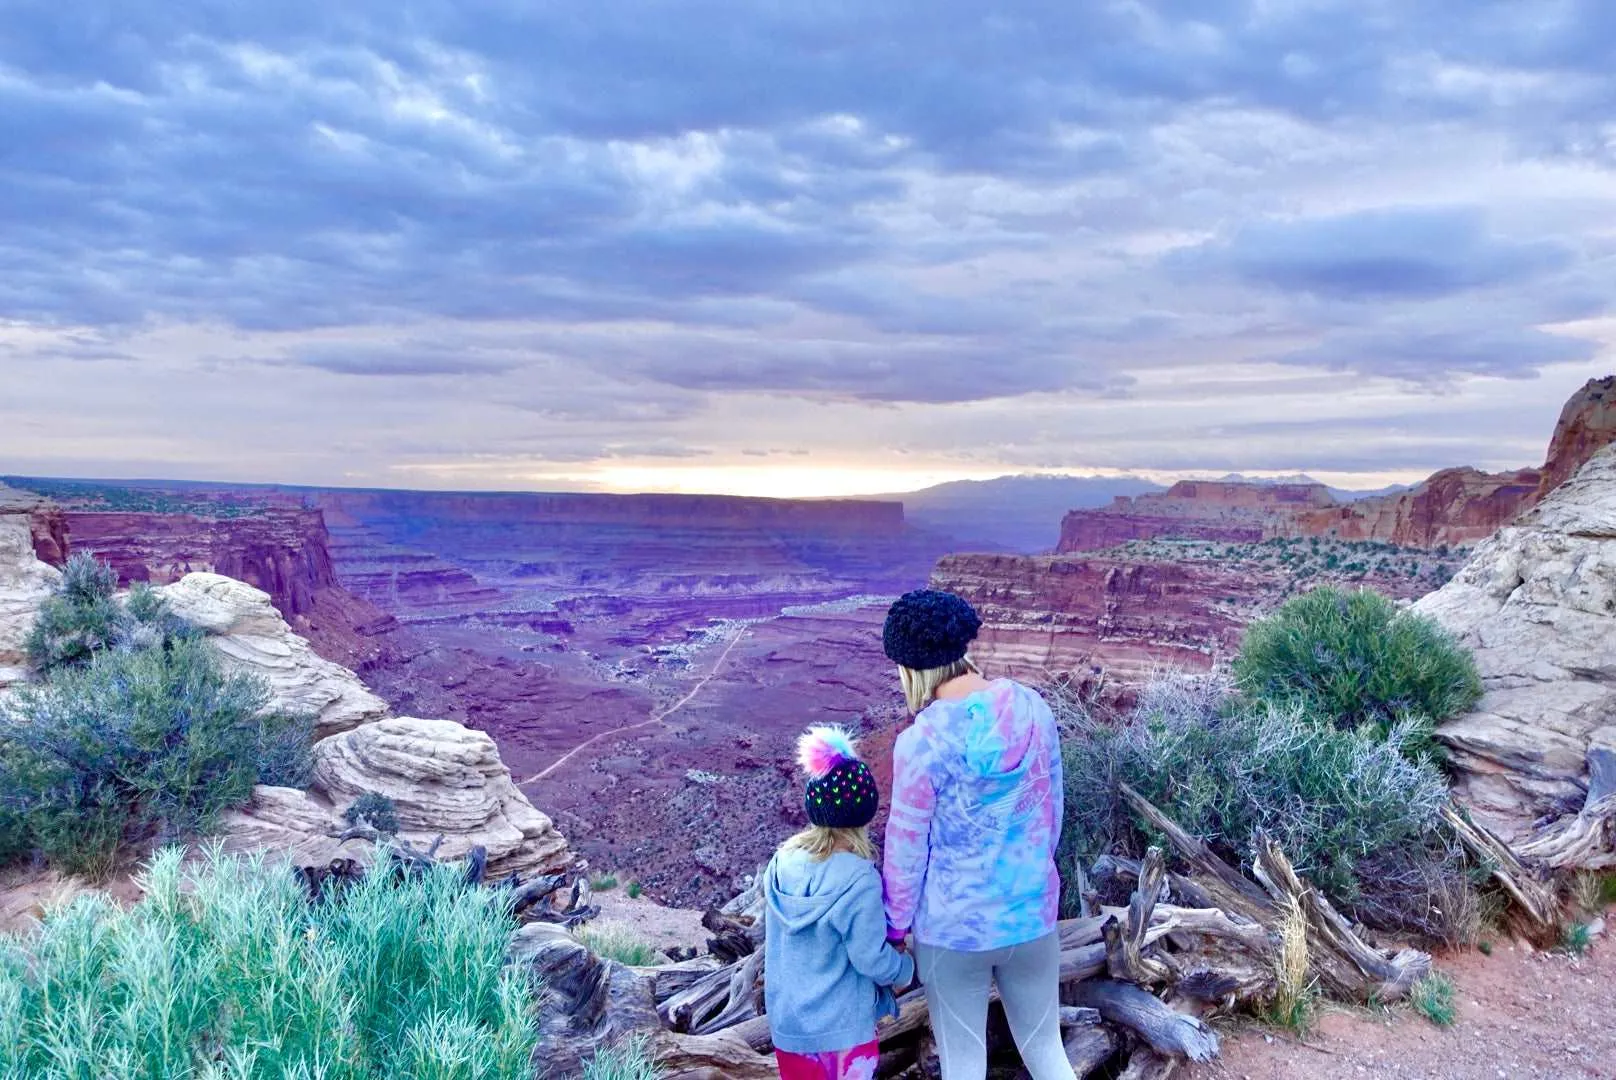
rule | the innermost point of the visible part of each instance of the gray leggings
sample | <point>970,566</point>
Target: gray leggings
<point>957,986</point>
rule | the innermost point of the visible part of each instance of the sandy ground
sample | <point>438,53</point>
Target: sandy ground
<point>663,927</point>
<point>1522,1013</point>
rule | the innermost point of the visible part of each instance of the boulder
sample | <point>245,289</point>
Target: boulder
<point>252,636</point>
<point>1537,604</point>
<point>25,582</point>
<point>442,777</point>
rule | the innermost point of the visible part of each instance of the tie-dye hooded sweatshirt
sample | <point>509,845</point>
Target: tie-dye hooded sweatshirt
<point>976,809</point>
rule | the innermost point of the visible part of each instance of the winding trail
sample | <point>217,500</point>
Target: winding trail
<point>656,718</point>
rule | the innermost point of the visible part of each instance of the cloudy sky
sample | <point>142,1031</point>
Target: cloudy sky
<point>789,247</point>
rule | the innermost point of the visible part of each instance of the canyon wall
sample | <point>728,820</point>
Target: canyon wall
<point>1124,614</point>
<point>1453,507</point>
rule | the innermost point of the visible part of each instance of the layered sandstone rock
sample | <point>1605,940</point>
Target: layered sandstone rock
<point>253,637</point>
<point>1537,604</point>
<point>25,581</point>
<point>1217,510</point>
<point>1047,614</point>
<point>1453,508</point>
<point>443,778</point>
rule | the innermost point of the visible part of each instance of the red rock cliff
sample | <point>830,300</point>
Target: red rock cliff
<point>1587,423</point>
<point>1191,510</point>
<point>285,552</point>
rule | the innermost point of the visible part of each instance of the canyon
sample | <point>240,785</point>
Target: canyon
<point>644,663</point>
<point>636,659</point>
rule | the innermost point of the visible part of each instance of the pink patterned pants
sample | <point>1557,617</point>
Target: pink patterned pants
<point>856,1064</point>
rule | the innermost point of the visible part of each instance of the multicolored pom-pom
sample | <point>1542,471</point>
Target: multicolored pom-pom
<point>821,749</point>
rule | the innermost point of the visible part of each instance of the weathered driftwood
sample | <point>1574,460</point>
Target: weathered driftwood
<point>1586,840</point>
<point>1346,964</point>
<point>1533,899</point>
<point>1125,942</point>
<point>1162,1028</point>
<point>1088,1046</point>
<point>722,1056</point>
<point>1350,967</point>
<point>734,936</point>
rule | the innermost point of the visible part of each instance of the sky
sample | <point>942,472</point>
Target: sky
<point>784,248</point>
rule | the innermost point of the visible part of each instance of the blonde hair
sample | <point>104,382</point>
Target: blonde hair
<point>822,841</point>
<point>920,687</point>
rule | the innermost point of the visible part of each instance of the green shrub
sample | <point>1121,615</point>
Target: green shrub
<point>84,617</point>
<point>1432,998</point>
<point>226,971</point>
<point>375,810</point>
<point>80,620</point>
<point>1355,661</point>
<point>136,745</point>
<point>1354,813</point>
<point>634,890</point>
<point>604,883</point>
<point>628,1061</point>
<point>613,943</point>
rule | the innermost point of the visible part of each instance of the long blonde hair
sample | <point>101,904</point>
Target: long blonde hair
<point>920,687</point>
<point>822,841</point>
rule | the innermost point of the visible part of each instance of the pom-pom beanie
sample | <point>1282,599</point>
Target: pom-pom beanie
<point>841,790</point>
<point>928,628</point>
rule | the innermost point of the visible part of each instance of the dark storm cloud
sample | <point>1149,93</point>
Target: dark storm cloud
<point>706,173</point>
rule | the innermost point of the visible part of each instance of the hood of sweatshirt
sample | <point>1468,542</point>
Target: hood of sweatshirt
<point>801,890</point>
<point>994,733</point>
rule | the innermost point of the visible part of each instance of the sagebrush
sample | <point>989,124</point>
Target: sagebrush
<point>136,745</point>
<point>632,1060</point>
<point>1356,661</point>
<point>1355,813</point>
<point>84,617</point>
<point>227,972</point>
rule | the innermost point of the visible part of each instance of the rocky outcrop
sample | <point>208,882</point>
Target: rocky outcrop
<point>1537,604</point>
<point>443,778</point>
<point>1587,425</point>
<point>25,581</point>
<point>1453,508</point>
<point>1216,510</point>
<point>252,636</point>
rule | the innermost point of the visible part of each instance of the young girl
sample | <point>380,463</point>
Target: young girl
<point>828,968</point>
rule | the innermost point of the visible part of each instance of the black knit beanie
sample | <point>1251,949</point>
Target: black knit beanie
<point>928,628</point>
<point>841,790</point>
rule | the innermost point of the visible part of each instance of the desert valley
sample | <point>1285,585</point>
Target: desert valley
<point>643,662</point>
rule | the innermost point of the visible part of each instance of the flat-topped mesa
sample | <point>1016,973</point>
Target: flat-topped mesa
<point>1217,510</point>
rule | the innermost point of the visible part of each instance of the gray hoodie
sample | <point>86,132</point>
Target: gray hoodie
<point>826,956</point>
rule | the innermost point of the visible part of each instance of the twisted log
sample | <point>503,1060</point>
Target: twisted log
<point>1162,1028</point>
<point>1586,841</point>
<point>1534,900</point>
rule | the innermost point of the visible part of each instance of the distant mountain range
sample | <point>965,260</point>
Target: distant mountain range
<point>1023,513</point>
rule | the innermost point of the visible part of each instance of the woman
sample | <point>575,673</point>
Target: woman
<point>970,841</point>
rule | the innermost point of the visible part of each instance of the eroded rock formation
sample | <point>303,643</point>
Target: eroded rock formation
<point>442,778</point>
<point>1220,510</point>
<point>1537,604</point>
<point>1587,424</point>
<point>252,636</point>
<point>25,580</point>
